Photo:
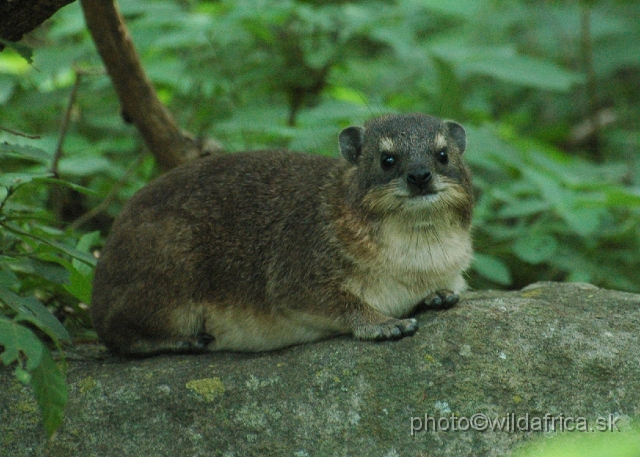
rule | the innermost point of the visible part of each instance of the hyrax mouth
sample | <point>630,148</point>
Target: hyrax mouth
<point>422,198</point>
<point>397,195</point>
<point>423,194</point>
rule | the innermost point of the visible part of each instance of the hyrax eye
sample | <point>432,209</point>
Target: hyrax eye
<point>442,156</point>
<point>387,161</point>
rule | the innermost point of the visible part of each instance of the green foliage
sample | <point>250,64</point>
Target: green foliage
<point>553,217</point>
<point>37,262</point>
<point>50,390</point>
<point>35,366</point>
<point>25,51</point>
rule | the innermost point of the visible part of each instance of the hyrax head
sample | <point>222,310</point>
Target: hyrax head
<point>409,162</point>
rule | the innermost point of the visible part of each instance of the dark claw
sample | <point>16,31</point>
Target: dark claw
<point>394,329</point>
<point>442,299</point>
<point>203,340</point>
<point>451,299</point>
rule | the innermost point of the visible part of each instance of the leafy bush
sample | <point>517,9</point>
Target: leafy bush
<point>552,217</point>
<point>38,270</point>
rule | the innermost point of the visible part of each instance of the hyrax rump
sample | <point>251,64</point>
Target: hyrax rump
<point>255,251</point>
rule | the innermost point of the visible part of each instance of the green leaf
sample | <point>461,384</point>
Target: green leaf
<point>31,310</point>
<point>450,93</point>
<point>623,198</point>
<point>535,248</point>
<point>85,243</point>
<point>26,152</point>
<point>79,284</point>
<point>348,94</point>
<point>583,221</point>
<point>77,278</point>
<point>25,51</point>
<point>85,166</point>
<point>13,180</point>
<point>8,278</point>
<point>526,71</point>
<point>50,390</point>
<point>505,64</point>
<point>65,183</point>
<point>48,270</point>
<point>82,256</point>
<point>460,8</point>
<point>7,88</point>
<point>524,208</point>
<point>24,376</point>
<point>18,339</point>
<point>492,268</point>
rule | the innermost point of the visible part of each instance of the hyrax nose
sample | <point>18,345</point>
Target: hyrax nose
<point>419,179</point>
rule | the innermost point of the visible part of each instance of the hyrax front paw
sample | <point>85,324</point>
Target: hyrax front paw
<point>442,299</point>
<point>392,329</point>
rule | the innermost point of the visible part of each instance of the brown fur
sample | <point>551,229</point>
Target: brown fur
<point>260,250</point>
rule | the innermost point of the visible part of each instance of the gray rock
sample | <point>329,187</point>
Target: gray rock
<point>569,350</point>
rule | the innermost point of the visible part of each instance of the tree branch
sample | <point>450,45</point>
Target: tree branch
<point>64,126</point>
<point>140,103</point>
<point>16,133</point>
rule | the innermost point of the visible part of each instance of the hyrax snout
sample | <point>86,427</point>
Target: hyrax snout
<point>256,251</point>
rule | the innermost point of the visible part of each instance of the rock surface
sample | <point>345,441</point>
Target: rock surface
<point>556,349</point>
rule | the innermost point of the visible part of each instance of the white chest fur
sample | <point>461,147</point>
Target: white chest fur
<point>411,264</point>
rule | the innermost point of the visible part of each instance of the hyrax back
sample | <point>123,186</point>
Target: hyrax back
<point>260,250</point>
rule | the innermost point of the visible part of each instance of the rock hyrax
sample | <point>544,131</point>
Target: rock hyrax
<point>255,251</point>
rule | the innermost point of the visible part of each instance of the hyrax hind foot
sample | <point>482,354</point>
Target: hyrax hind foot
<point>442,299</point>
<point>199,344</point>
<point>392,329</point>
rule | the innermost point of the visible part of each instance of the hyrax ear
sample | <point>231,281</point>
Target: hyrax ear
<point>457,134</point>
<point>351,140</point>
